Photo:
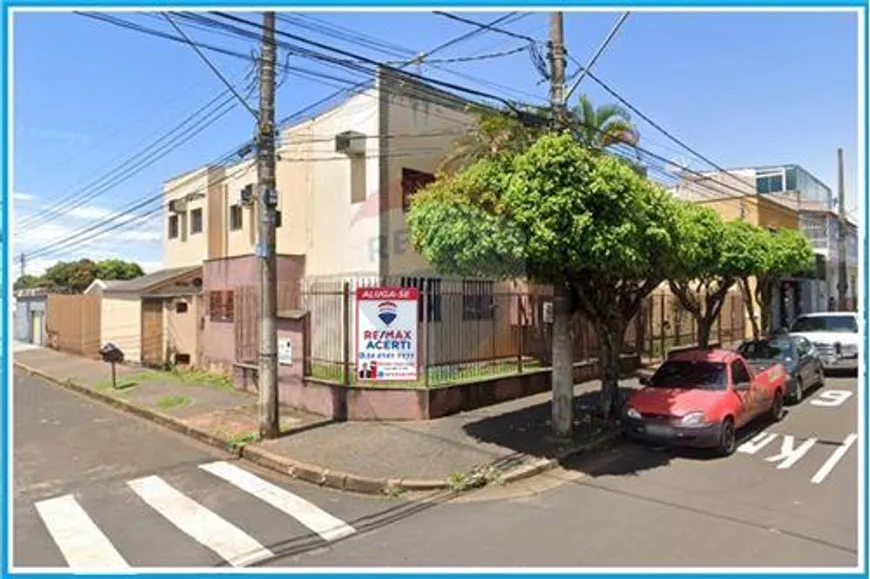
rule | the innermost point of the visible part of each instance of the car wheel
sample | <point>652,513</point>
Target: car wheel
<point>727,439</point>
<point>777,410</point>
<point>798,393</point>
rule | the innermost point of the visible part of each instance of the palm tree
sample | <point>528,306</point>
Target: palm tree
<point>604,126</point>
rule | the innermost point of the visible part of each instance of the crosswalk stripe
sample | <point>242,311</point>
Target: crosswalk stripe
<point>327,526</point>
<point>234,545</point>
<point>82,543</point>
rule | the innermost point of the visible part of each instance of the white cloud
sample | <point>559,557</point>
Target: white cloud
<point>20,197</point>
<point>134,238</point>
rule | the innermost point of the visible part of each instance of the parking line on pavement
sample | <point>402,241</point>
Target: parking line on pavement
<point>835,457</point>
<point>209,529</point>
<point>327,526</point>
<point>82,543</point>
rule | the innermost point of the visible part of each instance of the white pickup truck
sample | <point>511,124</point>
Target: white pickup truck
<point>835,335</point>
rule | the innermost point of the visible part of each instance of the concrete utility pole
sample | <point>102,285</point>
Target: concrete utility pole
<point>557,66</point>
<point>842,281</point>
<point>267,198</point>
<point>563,344</point>
<point>22,259</point>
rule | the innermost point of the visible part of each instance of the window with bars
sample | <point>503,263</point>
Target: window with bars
<point>477,300</point>
<point>220,306</point>
<point>430,294</point>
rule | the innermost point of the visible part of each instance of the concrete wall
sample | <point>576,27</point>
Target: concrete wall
<point>197,189</point>
<point>181,330</point>
<point>25,309</point>
<point>218,342</point>
<point>121,324</point>
<point>333,196</point>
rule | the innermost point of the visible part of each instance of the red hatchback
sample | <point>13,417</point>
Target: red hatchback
<point>701,398</point>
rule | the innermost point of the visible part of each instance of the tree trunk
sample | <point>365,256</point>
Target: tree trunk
<point>563,364</point>
<point>764,290</point>
<point>705,326</point>
<point>750,307</point>
<point>610,339</point>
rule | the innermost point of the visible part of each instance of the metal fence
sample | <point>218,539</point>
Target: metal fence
<point>246,316</point>
<point>470,329</point>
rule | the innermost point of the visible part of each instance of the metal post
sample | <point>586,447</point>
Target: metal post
<point>842,280</point>
<point>346,335</point>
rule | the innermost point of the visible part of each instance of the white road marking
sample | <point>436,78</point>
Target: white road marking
<point>327,526</point>
<point>831,398</point>
<point>209,529</point>
<point>788,454</point>
<point>757,442</point>
<point>82,543</point>
<point>835,457</point>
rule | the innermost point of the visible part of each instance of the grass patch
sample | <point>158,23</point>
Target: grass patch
<point>439,376</point>
<point>167,402</point>
<point>240,439</point>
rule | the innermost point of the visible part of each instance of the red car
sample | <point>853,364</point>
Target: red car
<point>701,398</point>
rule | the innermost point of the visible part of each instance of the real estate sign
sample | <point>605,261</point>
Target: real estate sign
<point>386,333</point>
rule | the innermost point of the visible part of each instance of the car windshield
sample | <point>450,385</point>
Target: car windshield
<point>768,350</point>
<point>688,374</point>
<point>840,324</point>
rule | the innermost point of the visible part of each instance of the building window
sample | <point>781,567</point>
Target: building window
<point>196,221</point>
<point>235,217</point>
<point>413,181</point>
<point>769,184</point>
<point>430,294</point>
<point>277,219</point>
<point>173,226</point>
<point>477,300</point>
<point>182,359</point>
<point>220,306</point>
<point>180,307</point>
<point>791,179</point>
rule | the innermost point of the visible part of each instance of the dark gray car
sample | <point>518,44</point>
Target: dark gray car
<point>797,354</point>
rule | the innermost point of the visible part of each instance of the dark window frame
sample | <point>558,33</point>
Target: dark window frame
<point>173,226</point>
<point>412,181</point>
<point>221,306</point>
<point>237,217</point>
<point>196,223</point>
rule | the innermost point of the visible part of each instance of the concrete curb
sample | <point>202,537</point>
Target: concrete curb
<point>308,472</point>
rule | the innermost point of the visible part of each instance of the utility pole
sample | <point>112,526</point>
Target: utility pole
<point>557,66</point>
<point>841,237</point>
<point>562,375</point>
<point>267,198</point>
<point>22,259</point>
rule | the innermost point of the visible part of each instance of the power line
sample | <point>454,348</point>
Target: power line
<point>585,70</point>
<point>489,27</point>
<point>213,68</point>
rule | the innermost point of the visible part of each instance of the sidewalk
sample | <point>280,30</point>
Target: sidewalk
<point>504,442</point>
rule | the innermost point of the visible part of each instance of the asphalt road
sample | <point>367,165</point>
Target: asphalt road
<point>97,487</point>
<point>781,501</point>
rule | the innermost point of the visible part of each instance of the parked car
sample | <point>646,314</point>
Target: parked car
<point>701,398</point>
<point>836,336</point>
<point>796,353</point>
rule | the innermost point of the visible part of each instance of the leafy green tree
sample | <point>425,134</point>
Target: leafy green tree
<point>784,252</point>
<point>712,258</point>
<point>118,269</point>
<point>560,214</point>
<point>27,282</point>
<point>76,276</point>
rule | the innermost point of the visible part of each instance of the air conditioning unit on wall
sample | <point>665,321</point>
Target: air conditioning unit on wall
<point>351,143</point>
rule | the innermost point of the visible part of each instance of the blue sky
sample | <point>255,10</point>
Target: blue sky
<point>742,89</point>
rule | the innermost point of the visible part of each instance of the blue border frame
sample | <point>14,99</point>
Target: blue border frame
<point>6,273</point>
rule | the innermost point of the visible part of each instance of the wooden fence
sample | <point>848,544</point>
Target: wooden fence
<point>72,323</point>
